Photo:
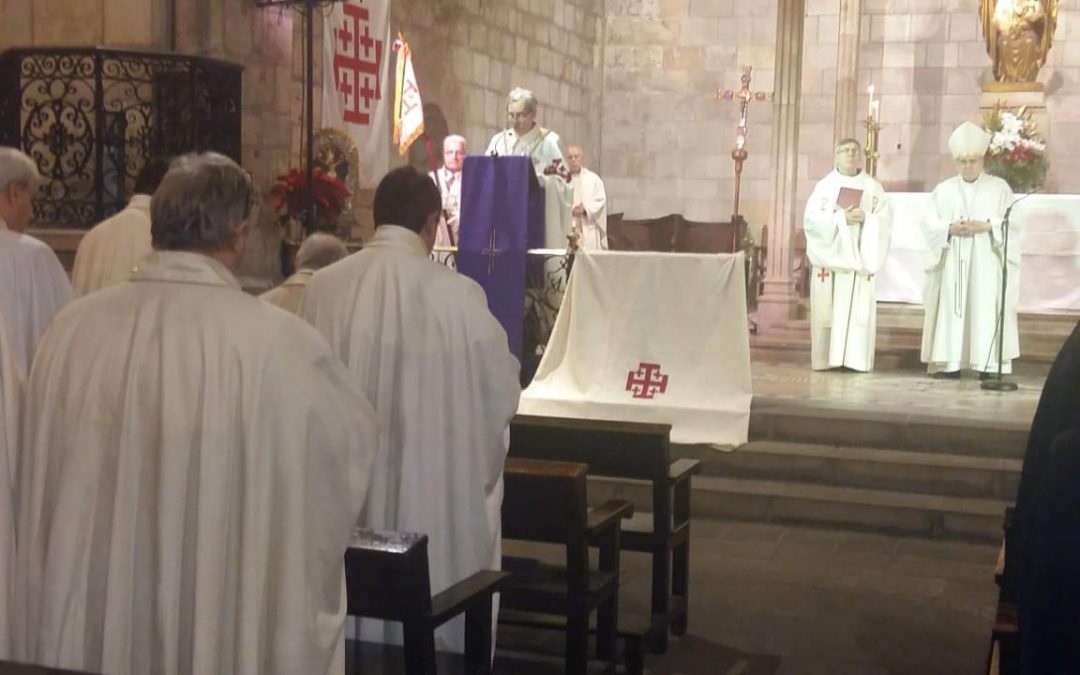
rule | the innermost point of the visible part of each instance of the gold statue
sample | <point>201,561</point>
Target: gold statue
<point>1019,34</point>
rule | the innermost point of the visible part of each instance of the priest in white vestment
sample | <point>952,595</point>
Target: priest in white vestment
<point>10,413</point>
<point>448,179</point>
<point>33,284</point>
<point>848,228</point>
<point>419,340</point>
<point>194,462</point>
<point>590,203</point>
<point>318,250</point>
<point>524,137</point>
<point>111,249</point>
<point>963,233</point>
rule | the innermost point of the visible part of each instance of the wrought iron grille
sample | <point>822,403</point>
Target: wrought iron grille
<point>90,117</point>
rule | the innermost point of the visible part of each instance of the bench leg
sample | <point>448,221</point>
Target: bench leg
<point>478,638</point>
<point>661,582</point>
<point>680,585</point>
<point>577,641</point>
<point>419,647</point>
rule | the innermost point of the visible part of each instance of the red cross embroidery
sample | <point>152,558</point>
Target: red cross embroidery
<point>823,274</point>
<point>357,64</point>
<point>647,381</point>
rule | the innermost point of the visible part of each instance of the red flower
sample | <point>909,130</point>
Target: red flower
<point>329,195</point>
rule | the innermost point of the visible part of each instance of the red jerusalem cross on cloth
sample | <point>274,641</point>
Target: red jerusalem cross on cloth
<point>358,61</point>
<point>647,381</point>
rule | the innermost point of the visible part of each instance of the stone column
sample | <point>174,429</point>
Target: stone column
<point>778,298</point>
<point>846,111</point>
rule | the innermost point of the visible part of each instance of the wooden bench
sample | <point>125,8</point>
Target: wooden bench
<point>386,577</point>
<point>548,502</point>
<point>637,451</point>
<point>1004,655</point>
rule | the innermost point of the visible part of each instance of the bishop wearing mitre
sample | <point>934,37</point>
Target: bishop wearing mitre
<point>848,226</point>
<point>964,236</point>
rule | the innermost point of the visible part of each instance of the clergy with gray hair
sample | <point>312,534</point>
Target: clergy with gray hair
<point>848,227</point>
<point>33,284</point>
<point>964,235</point>
<point>523,136</point>
<point>193,464</point>
<point>319,250</point>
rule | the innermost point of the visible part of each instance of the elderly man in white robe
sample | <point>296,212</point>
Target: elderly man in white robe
<point>963,232</point>
<point>524,137</point>
<point>448,179</point>
<point>848,228</point>
<point>419,340</point>
<point>317,251</point>
<point>590,203</point>
<point>112,248</point>
<point>33,284</point>
<point>193,464</point>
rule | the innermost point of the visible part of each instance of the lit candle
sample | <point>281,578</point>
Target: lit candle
<point>870,105</point>
<point>875,110</point>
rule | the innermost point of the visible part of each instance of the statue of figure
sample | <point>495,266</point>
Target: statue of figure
<point>1019,34</point>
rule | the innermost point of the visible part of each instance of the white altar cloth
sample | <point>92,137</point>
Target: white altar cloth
<point>1049,229</point>
<point>651,337</point>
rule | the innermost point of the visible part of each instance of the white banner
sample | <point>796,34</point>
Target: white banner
<point>357,87</point>
<point>408,106</point>
<point>651,337</point>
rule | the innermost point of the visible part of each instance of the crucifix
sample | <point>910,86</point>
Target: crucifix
<point>744,96</point>
<point>491,251</point>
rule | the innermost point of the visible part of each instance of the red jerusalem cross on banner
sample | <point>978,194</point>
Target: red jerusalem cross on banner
<point>358,61</point>
<point>647,381</point>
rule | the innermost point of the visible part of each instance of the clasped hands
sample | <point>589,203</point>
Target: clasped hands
<point>578,210</point>
<point>968,228</point>
<point>854,215</point>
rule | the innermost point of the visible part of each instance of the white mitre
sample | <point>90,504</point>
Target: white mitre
<point>969,140</point>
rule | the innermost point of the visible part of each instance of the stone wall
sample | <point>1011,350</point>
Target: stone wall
<point>667,140</point>
<point>469,54</point>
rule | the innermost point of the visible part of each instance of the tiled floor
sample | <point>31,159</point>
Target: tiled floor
<point>768,600</point>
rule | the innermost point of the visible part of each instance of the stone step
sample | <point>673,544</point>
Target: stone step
<point>777,419</point>
<point>932,473</point>
<point>798,503</point>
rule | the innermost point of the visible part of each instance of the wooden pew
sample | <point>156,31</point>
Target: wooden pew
<point>1004,655</point>
<point>636,451</point>
<point>386,577</point>
<point>548,502</point>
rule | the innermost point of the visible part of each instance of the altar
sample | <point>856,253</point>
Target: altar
<point>1046,227</point>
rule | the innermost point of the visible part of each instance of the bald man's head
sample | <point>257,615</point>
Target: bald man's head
<point>575,157</point>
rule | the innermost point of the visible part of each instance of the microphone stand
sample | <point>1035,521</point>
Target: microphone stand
<point>997,384</point>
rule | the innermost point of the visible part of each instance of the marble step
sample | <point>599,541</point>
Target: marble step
<point>794,422</point>
<point>798,503</point>
<point>932,473</point>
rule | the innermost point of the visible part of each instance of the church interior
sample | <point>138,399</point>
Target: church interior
<point>805,506</point>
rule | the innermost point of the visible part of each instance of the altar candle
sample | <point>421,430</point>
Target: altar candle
<point>870,105</point>
<point>875,110</point>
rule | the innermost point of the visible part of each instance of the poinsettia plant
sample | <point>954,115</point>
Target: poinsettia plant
<point>1017,152</point>
<point>290,195</point>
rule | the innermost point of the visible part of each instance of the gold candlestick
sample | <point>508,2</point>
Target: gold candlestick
<point>871,149</point>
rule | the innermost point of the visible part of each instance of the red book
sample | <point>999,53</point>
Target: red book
<point>849,198</point>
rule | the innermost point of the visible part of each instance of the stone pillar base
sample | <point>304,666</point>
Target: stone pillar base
<point>777,304</point>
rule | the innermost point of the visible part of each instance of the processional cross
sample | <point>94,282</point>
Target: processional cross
<point>743,96</point>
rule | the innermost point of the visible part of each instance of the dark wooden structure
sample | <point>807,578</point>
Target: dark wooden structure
<point>548,502</point>
<point>1005,634</point>
<point>386,575</point>
<point>635,451</point>
<point>675,234</point>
